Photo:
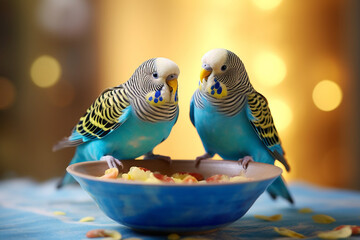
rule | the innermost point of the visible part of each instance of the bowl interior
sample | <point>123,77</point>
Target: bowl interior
<point>256,171</point>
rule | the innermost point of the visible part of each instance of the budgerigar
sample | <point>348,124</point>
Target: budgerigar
<point>233,119</point>
<point>129,120</point>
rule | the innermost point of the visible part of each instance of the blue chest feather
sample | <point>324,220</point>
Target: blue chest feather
<point>230,137</point>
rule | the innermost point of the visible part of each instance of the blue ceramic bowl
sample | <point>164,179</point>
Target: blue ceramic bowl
<point>175,207</point>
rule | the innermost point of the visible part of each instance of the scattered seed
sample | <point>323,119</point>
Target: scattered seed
<point>96,233</point>
<point>59,213</point>
<point>108,234</point>
<point>344,232</point>
<point>355,229</point>
<point>87,219</point>
<point>305,210</point>
<point>323,219</point>
<point>272,218</point>
<point>288,233</point>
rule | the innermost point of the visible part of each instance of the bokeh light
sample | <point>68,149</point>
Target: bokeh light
<point>7,93</point>
<point>269,69</point>
<point>267,4</point>
<point>281,112</point>
<point>327,95</point>
<point>45,71</point>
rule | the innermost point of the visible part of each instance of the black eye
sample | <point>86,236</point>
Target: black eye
<point>223,67</point>
<point>155,75</point>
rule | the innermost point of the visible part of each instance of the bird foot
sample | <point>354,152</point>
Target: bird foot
<point>151,155</point>
<point>202,157</point>
<point>112,162</point>
<point>245,161</point>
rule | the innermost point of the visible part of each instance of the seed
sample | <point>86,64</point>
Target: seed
<point>272,218</point>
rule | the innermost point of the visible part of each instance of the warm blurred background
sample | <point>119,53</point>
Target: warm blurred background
<point>56,56</point>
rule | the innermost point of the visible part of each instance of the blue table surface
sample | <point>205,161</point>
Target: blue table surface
<point>26,212</point>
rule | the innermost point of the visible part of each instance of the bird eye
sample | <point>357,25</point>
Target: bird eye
<point>223,67</point>
<point>155,75</point>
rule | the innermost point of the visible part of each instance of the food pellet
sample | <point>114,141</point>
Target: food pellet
<point>272,218</point>
<point>108,234</point>
<point>305,210</point>
<point>87,219</point>
<point>355,229</point>
<point>96,233</point>
<point>288,233</point>
<point>111,173</point>
<point>60,213</point>
<point>146,176</point>
<point>323,219</point>
<point>344,232</point>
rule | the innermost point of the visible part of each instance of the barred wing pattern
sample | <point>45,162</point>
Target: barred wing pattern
<point>260,118</point>
<point>102,116</point>
<point>100,119</point>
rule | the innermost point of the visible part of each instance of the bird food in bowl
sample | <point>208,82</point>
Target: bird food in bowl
<point>174,206</point>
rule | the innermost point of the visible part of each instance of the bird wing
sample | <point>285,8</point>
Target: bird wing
<point>107,113</point>
<point>259,115</point>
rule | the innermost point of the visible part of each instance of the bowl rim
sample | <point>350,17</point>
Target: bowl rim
<point>71,171</point>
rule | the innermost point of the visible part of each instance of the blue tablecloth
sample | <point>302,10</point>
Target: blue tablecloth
<point>26,212</point>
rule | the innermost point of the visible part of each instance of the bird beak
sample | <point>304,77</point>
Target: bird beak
<point>173,84</point>
<point>205,74</point>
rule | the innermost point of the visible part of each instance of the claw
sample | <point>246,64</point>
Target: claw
<point>245,161</point>
<point>151,155</point>
<point>112,162</point>
<point>202,157</point>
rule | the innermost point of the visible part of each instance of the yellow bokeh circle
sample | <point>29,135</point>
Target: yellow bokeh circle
<point>270,69</point>
<point>45,71</point>
<point>282,113</point>
<point>327,95</point>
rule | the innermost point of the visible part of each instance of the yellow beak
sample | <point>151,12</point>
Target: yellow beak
<point>173,84</point>
<point>204,74</point>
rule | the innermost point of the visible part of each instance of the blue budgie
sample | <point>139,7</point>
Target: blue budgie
<point>129,120</point>
<point>233,119</point>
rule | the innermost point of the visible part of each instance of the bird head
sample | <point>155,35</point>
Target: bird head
<point>159,83</point>
<point>222,71</point>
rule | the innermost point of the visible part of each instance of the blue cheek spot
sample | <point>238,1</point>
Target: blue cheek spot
<point>217,85</point>
<point>156,100</point>
<point>157,94</point>
<point>219,90</point>
<point>215,80</point>
<point>212,92</point>
<point>212,87</point>
<point>150,98</point>
<point>160,98</point>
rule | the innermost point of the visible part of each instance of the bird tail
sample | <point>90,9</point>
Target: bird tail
<point>278,188</point>
<point>67,142</point>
